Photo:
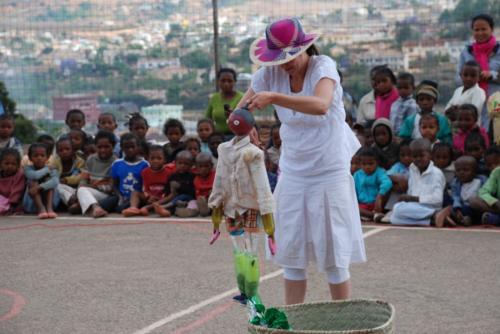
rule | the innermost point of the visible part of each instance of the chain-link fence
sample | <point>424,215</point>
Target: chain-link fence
<point>124,56</point>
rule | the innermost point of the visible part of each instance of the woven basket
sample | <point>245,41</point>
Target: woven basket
<point>336,317</point>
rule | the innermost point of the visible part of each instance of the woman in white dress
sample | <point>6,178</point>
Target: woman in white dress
<point>317,218</point>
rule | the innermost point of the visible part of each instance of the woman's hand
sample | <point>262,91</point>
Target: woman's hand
<point>260,100</point>
<point>485,75</point>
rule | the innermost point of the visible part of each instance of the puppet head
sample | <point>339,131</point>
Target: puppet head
<point>241,122</point>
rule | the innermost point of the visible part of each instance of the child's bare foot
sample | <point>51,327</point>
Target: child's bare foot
<point>144,211</point>
<point>161,211</point>
<point>51,214</point>
<point>98,212</point>
<point>43,215</point>
<point>130,212</point>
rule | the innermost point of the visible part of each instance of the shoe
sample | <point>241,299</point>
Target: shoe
<point>440,216</point>
<point>241,298</point>
<point>144,211</point>
<point>203,206</point>
<point>377,218</point>
<point>130,212</point>
<point>186,213</point>
<point>467,221</point>
<point>387,218</point>
<point>161,211</point>
<point>181,204</point>
<point>490,218</point>
<point>75,209</point>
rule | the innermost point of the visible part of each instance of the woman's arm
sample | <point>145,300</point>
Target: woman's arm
<point>318,104</point>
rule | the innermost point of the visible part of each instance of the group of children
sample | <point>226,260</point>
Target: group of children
<point>418,166</point>
<point>96,175</point>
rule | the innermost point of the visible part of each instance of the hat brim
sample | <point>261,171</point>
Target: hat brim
<point>261,55</point>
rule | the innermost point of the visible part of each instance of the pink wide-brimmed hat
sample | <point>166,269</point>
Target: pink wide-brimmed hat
<point>285,40</point>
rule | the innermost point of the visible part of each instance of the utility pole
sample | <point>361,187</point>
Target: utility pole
<point>215,11</point>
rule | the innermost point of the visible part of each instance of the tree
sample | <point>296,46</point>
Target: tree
<point>196,59</point>
<point>25,129</point>
<point>9,106</point>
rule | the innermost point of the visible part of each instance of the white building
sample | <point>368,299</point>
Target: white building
<point>397,61</point>
<point>157,114</point>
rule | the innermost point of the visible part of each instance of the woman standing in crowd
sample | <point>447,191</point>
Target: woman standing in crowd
<point>485,50</point>
<point>313,222</point>
<point>222,103</point>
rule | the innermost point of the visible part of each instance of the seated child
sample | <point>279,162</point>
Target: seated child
<point>96,184</point>
<point>154,180</point>
<point>107,122</point>
<point>475,146</point>
<point>78,140</point>
<point>203,184</point>
<point>427,96</point>
<point>429,128</point>
<point>41,196</point>
<point>426,184</point>
<point>274,150</point>
<point>469,93</point>
<point>48,141</point>
<point>138,125</point>
<point>88,148</point>
<point>405,106</point>
<point>398,174</point>
<point>126,172</point>
<point>193,145</point>
<point>75,120</point>
<point>492,158</point>
<point>205,128</point>
<point>174,130</point>
<point>372,184</point>
<point>68,166</point>
<point>214,141</point>
<point>487,203</point>
<point>464,187</point>
<point>180,186</point>
<point>386,150</point>
<point>12,181</point>
<point>7,139</point>
<point>355,163</point>
<point>467,123</point>
<point>442,156</point>
<point>264,131</point>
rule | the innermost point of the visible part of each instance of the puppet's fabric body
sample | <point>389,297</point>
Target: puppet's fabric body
<point>241,180</point>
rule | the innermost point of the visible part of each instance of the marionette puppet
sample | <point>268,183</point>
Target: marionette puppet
<point>241,193</point>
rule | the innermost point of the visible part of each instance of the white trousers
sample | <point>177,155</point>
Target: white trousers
<point>89,196</point>
<point>65,192</point>
<point>412,213</point>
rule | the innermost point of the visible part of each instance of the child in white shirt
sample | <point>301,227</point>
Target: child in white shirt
<point>469,93</point>
<point>426,185</point>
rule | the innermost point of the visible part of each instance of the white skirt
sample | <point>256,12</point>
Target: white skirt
<point>317,219</point>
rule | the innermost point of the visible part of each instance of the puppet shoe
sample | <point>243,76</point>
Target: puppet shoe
<point>130,212</point>
<point>241,298</point>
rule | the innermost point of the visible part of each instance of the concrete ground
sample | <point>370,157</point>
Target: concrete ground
<point>138,276</point>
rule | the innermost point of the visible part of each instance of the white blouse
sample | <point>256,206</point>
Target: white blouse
<point>311,145</point>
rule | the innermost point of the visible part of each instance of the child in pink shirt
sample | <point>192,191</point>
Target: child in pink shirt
<point>467,123</point>
<point>12,181</point>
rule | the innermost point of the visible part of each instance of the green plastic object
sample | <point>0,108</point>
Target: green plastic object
<point>252,275</point>
<point>270,318</point>
<point>239,268</point>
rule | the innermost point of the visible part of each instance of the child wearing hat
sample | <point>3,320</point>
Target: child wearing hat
<point>427,95</point>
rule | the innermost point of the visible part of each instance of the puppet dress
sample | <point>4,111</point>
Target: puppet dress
<point>317,217</point>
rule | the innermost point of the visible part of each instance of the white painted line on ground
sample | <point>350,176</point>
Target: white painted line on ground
<point>214,299</point>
